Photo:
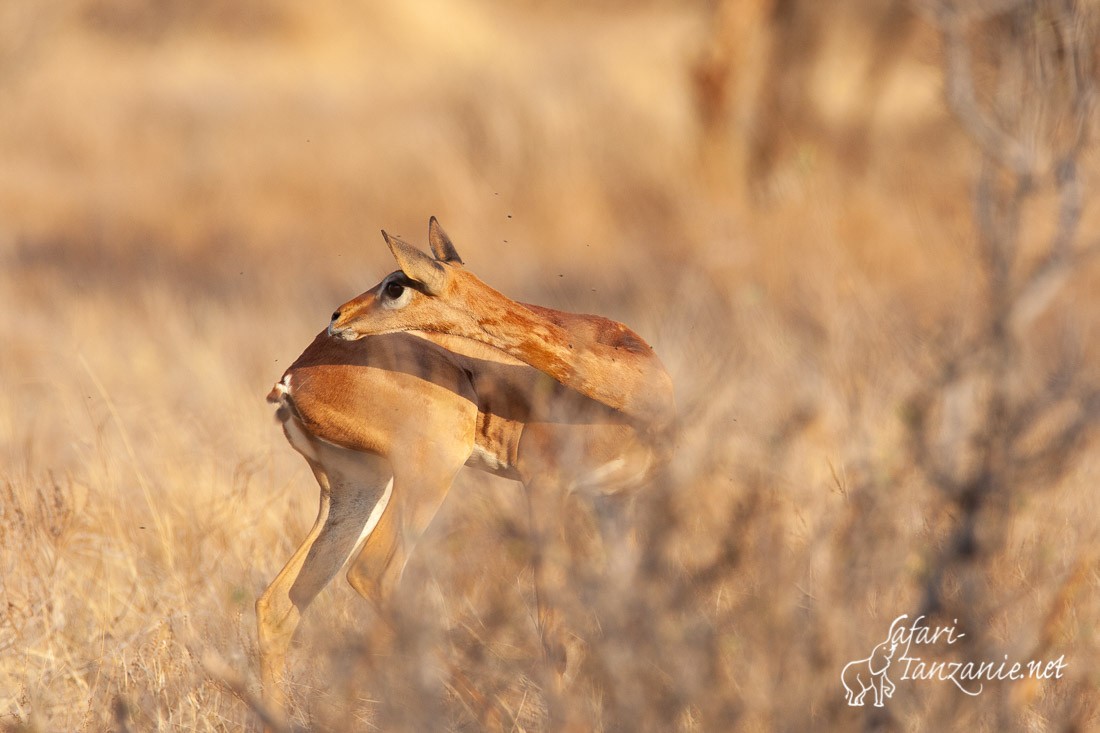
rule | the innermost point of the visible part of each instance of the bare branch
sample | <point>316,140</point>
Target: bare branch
<point>1045,281</point>
<point>994,142</point>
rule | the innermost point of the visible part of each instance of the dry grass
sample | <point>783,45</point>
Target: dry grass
<point>187,190</point>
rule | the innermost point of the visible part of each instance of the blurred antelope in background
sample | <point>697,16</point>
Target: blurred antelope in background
<point>431,370</point>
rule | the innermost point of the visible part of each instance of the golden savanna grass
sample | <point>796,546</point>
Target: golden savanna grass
<point>779,199</point>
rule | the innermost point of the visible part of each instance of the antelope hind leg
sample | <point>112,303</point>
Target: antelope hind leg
<point>346,504</point>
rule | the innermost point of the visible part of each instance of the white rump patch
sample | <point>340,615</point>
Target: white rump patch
<point>298,438</point>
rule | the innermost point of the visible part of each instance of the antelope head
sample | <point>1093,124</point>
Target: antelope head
<point>429,293</point>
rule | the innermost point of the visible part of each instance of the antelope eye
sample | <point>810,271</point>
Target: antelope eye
<point>394,290</point>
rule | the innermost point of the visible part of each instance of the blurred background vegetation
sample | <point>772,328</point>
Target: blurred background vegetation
<point>858,233</point>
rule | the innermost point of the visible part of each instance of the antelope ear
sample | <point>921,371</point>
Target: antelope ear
<point>416,265</point>
<point>441,244</point>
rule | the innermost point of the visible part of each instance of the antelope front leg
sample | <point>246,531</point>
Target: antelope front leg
<point>341,517</point>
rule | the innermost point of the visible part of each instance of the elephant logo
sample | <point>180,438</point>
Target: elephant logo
<point>869,675</point>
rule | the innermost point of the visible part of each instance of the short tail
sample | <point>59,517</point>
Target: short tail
<point>280,396</point>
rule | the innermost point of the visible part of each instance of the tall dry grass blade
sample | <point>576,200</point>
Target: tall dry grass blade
<point>143,483</point>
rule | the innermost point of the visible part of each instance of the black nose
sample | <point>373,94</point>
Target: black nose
<point>335,315</point>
